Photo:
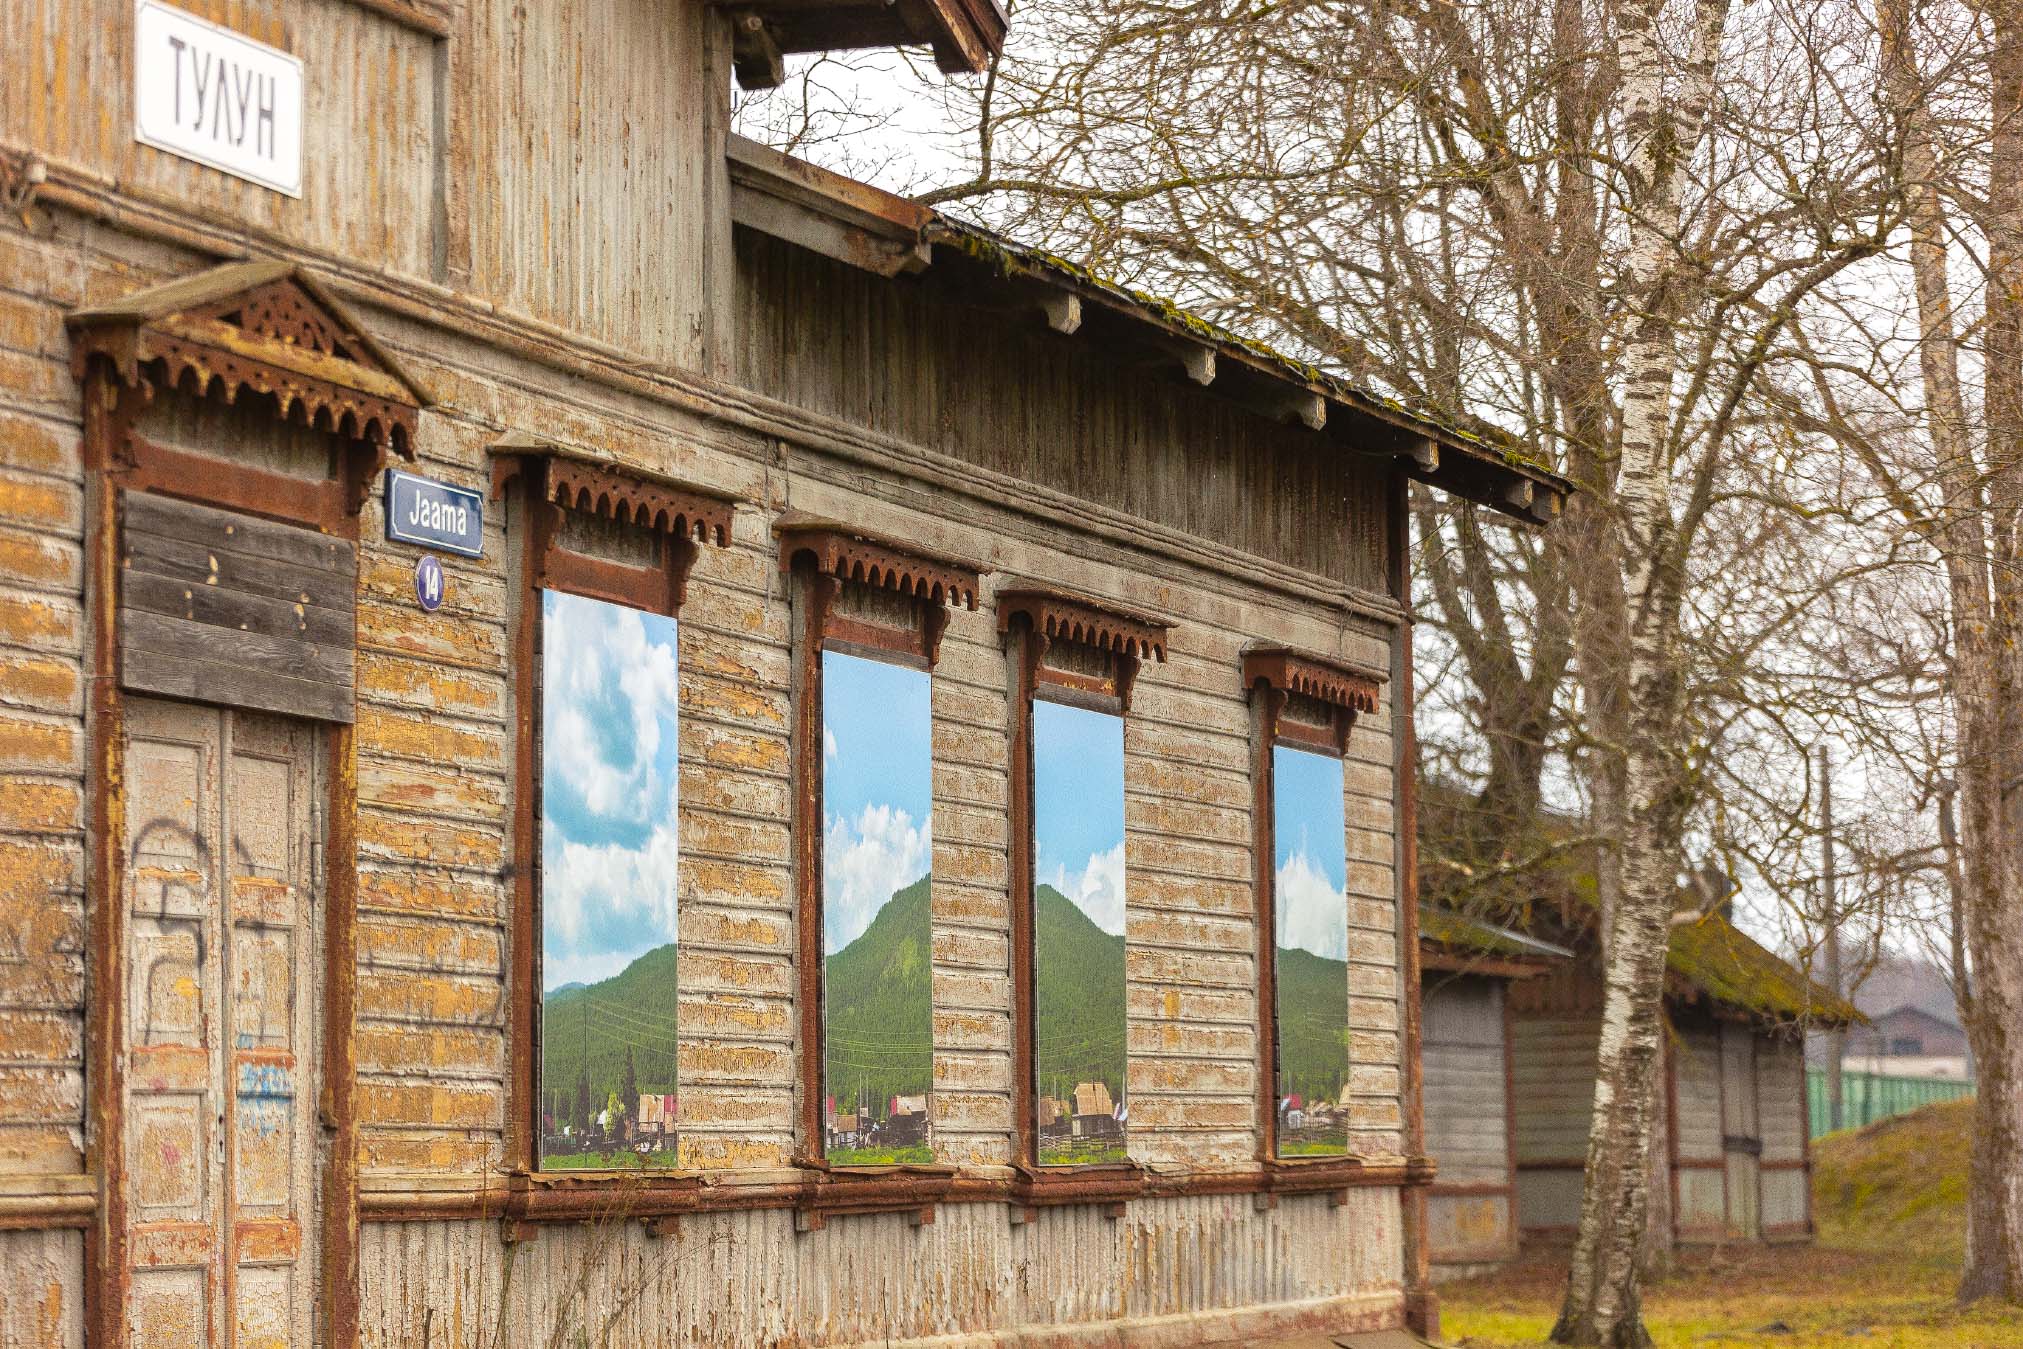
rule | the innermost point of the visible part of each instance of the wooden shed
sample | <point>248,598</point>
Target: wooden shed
<point>561,672</point>
<point>1733,1162</point>
<point>1467,967</point>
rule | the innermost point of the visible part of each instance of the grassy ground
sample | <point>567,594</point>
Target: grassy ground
<point>1887,1200</point>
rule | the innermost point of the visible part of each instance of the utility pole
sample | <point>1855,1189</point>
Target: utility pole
<point>1836,1037</point>
<point>1949,840</point>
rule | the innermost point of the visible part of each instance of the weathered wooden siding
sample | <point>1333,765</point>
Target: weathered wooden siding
<point>42,686</point>
<point>435,803</point>
<point>373,155</point>
<point>1702,1184</point>
<point>596,131</point>
<point>560,161</point>
<point>747,1278</point>
<point>1467,1118</point>
<point>1552,1091</point>
<point>1780,1100</point>
<point>1003,393</point>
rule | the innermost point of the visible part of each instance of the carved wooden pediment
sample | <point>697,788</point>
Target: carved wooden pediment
<point>264,326</point>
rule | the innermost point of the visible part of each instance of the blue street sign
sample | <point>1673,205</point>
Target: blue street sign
<point>429,583</point>
<point>434,514</point>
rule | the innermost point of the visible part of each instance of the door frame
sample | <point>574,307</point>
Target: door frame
<point>125,356</point>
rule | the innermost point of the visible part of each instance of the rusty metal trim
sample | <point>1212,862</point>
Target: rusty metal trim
<point>843,1191</point>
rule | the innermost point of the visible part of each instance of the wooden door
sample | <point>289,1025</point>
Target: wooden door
<point>1742,1130</point>
<point>223,1002</point>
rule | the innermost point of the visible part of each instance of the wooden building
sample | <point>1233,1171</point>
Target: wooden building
<point>1466,969</point>
<point>1732,1156</point>
<point>438,516</point>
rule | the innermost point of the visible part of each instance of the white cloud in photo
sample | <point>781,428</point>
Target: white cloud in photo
<point>828,745</point>
<point>865,860</point>
<point>603,904</point>
<point>1312,913</point>
<point>1098,888</point>
<point>610,694</point>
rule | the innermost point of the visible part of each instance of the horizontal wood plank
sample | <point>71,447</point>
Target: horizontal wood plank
<point>260,615</point>
<point>329,588</point>
<point>246,535</point>
<point>146,671</point>
<point>184,639</point>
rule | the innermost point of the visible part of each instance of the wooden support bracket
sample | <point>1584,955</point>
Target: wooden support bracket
<point>1304,406</point>
<point>1063,309</point>
<point>1424,452</point>
<point>755,54</point>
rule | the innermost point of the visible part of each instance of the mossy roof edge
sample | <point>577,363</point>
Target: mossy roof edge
<point>1011,258</point>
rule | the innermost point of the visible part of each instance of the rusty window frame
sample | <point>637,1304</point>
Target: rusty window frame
<point>1274,677</point>
<point>541,482</point>
<point>822,559</point>
<point>1035,624</point>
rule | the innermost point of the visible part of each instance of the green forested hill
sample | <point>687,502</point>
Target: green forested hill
<point>879,1032</point>
<point>880,1024</point>
<point>597,1023</point>
<point>1078,977</point>
<point>1313,1023</point>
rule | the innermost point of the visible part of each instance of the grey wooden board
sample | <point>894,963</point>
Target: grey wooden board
<point>152,593</point>
<point>224,608</point>
<point>229,530</point>
<point>193,562</point>
<point>233,685</point>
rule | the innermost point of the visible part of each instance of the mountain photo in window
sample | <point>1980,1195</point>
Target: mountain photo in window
<point>877,1003</point>
<point>609,835</point>
<point>1311,900</point>
<point>1078,934</point>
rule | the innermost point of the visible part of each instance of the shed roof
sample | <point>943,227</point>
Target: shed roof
<point>1462,932</point>
<point>1717,960</point>
<point>890,235</point>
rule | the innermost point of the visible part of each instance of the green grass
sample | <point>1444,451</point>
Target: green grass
<point>916,1155</point>
<point>1888,1203</point>
<point>1314,1147</point>
<point>620,1159</point>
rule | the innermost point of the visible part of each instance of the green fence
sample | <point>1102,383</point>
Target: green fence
<point>1868,1097</point>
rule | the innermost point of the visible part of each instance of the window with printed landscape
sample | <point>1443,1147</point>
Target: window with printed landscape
<point>877,1006</point>
<point>609,833</point>
<point>1311,919</point>
<point>1078,934</point>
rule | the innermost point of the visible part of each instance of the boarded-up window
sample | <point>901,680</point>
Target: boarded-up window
<point>609,844</point>
<point>1078,933</point>
<point>878,1033</point>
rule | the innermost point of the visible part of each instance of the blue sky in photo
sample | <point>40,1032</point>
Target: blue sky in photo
<point>877,788</point>
<point>610,782</point>
<point>1309,825</point>
<point>1078,808</point>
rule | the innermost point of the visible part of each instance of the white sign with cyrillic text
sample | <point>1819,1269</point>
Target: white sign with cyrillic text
<point>207,93</point>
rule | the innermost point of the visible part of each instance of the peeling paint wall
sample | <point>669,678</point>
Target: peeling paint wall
<point>1178,504</point>
<point>747,1278</point>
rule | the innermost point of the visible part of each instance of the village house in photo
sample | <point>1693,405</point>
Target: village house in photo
<point>597,722</point>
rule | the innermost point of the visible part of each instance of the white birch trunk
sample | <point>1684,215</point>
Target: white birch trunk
<point>1664,119</point>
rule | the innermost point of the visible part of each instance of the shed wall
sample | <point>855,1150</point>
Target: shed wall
<point>1467,1119</point>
